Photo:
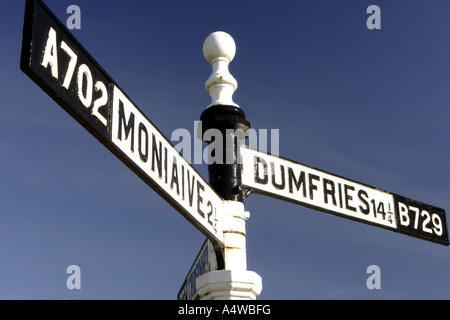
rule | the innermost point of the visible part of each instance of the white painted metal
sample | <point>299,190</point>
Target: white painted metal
<point>235,253</point>
<point>219,50</point>
<point>317,189</point>
<point>229,285</point>
<point>235,282</point>
<point>142,143</point>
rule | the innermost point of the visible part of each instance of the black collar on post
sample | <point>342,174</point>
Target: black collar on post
<point>225,175</point>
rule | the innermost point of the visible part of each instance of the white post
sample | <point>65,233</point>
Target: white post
<point>235,282</point>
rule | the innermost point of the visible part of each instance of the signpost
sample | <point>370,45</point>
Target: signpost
<point>59,64</point>
<point>320,190</point>
<point>203,263</point>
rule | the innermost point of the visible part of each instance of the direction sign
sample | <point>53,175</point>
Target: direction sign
<point>204,262</point>
<point>58,63</point>
<point>320,190</point>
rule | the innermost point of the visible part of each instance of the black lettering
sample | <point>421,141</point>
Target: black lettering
<point>165,164</point>
<point>348,197</point>
<point>340,194</point>
<point>199,198</point>
<point>182,181</point>
<point>209,204</point>
<point>312,187</point>
<point>257,161</point>
<point>276,185</point>
<point>129,127</point>
<point>190,187</point>
<point>174,175</point>
<point>298,183</point>
<point>143,155</point>
<point>157,156</point>
<point>327,191</point>
<point>362,193</point>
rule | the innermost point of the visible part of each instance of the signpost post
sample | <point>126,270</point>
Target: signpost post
<point>235,281</point>
<point>58,63</point>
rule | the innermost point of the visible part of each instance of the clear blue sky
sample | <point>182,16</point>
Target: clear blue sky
<point>368,105</point>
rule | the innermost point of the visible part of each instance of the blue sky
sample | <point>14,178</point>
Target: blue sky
<point>368,105</point>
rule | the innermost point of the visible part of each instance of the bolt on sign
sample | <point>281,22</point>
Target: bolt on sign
<point>58,63</point>
<point>323,191</point>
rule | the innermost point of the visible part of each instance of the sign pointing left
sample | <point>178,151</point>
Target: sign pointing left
<point>58,63</point>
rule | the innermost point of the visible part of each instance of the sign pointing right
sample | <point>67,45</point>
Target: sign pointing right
<point>294,182</point>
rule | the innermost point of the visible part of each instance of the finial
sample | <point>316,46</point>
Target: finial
<point>219,50</point>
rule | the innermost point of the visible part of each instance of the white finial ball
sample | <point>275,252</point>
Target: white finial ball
<point>219,44</point>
